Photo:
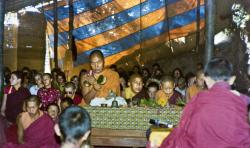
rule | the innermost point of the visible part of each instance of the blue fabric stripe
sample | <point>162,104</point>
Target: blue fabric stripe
<point>148,33</point>
<point>80,6</point>
<point>114,21</point>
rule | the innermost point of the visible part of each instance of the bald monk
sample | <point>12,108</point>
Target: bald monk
<point>99,81</point>
<point>35,128</point>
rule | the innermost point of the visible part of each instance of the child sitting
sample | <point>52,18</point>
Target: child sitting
<point>197,87</point>
<point>167,94</point>
<point>66,102</point>
<point>70,91</point>
<point>152,88</point>
<point>135,91</point>
<point>53,111</point>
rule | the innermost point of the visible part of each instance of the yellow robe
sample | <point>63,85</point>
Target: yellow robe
<point>112,83</point>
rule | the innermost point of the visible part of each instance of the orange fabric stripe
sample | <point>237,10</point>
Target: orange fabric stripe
<point>92,16</point>
<point>160,39</point>
<point>134,26</point>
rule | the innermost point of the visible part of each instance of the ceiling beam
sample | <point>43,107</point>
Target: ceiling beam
<point>15,5</point>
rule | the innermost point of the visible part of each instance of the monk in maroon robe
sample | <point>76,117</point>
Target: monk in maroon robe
<point>216,118</point>
<point>35,128</point>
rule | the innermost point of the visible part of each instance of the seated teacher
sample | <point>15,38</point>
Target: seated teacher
<point>99,81</point>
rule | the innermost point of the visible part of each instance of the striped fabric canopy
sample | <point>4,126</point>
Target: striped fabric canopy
<point>120,27</point>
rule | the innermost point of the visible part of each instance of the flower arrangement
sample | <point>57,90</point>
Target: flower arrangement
<point>162,102</point>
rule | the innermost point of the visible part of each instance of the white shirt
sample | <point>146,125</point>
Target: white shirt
<point>34,89</point>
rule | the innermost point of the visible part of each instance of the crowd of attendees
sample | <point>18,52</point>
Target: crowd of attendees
<point>51,93</point>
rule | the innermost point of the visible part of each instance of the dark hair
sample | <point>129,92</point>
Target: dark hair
<point>219,69</point>
<point>54,104</point>
<point>67,100</point>
<point>153,84</point>
<point>33,98</point>
<point>156,65</point>
<point>113,66</point>
<point>62,74</point>
<point>74,122</point>
<point>47,74</point>
<point>178,69</point>
<point>97,53</point>
<point>189,75</point>
<point>18,74</point>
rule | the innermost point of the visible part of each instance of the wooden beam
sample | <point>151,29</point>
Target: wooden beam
<point>2,13</point>
<point>210,22</point>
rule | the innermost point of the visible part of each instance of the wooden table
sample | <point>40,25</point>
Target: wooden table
<point>118,138</point>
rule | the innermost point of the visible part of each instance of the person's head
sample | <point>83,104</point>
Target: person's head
<point>47,79</point>
<point>32,104</point>
<point>69,89</point>
<point>74,125</point>
<point>38,78</point>
<point>199,66</point>
<point>96,61</point>
<point>177,73</point>
<point>136,83</point>
<point>26,70</point>
<point>181,83</point>
<point>217,70</point>
<point>16,78</point>
<point>167,84</point>
<point>75,80</point>
<point>53,110</point>
<point>60,78</point>
<point>153,87</point>
<point>54,72</point>
<point>66,102</point>
<point>136,69</point>
<point>200,82</point>
<point>145,73</point>
<point>113,67</point>
<point>155,66</point>
<point>190,77</point>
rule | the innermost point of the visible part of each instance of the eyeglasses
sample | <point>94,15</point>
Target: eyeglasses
<point>69,92</point>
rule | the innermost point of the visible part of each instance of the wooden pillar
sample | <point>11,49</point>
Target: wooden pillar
<point>2,13</point>
<point>210,23</point>
<point>198,26</point>
<point>55,26</point>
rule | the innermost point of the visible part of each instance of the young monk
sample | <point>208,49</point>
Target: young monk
<point>53,111</point>
<point>70,91</point>
<point>74,127</point>
<point>167,94</point>
<point>90,87</point>
<point>216,118</point>
<point>66,102</point>
<point>197,87</point>
<point>152,88</point>
<point>35,128</point>
<point>48,94</point>
<point>135,91</point>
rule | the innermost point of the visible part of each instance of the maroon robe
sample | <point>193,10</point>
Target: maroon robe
<point>14,103</point>
<point>40,134</point>
<point>215,118</point>
<point>3,126</point>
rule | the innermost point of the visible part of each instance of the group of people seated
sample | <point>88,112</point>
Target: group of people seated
<point>33,102</point>
<point>49,94</point>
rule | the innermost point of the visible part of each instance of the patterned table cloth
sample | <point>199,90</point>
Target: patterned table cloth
<point>134,118</point>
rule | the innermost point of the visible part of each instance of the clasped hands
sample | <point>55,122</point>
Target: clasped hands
<point>90,80</point>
